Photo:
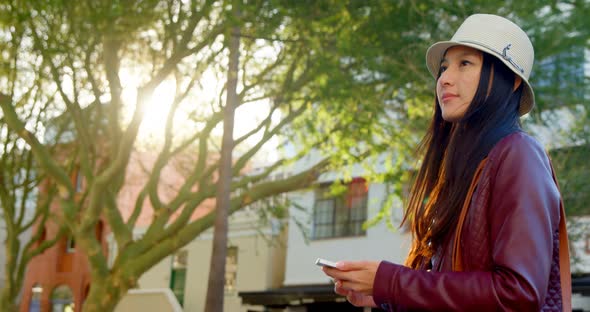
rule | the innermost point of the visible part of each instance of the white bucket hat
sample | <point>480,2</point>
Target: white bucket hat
<point>499,37</point>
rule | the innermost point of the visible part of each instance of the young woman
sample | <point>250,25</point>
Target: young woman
<point>485,211</point>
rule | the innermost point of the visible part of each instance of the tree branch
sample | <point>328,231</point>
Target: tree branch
<point>72,105</point>
<point>41,153</point>
<point>180,233</point>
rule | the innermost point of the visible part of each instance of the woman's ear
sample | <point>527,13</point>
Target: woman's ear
<point>517,82</point>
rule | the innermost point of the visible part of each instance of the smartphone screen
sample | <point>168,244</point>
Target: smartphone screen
<point>324,262</point>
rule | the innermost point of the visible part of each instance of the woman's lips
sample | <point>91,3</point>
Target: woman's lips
<point>448,96</point>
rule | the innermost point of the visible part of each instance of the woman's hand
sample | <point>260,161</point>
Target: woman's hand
<point>354,279</point>
<point>355,298</point>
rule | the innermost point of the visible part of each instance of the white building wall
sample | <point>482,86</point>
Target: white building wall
<point>379,243</point>
<point>260,264</point>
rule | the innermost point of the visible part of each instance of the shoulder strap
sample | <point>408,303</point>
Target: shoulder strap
<point>457,260</point>
<point>564,254</point>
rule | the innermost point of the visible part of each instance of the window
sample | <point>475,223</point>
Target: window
<point>65,260</point>
<point>178,275</point>
<point>71,245</point>
<point>36,292</point>
<point>62,299</point>
<point>231,268</point>
<point>340,215</point>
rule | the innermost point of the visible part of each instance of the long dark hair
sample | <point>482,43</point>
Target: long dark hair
<point>451,153</point>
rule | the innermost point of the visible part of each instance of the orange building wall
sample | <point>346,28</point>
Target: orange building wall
<point>56,267</point>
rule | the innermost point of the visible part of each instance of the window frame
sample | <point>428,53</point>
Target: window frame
<point>71,245</point>
<point>178,274</point>
<point>231,268</point>
<point>346,212</point>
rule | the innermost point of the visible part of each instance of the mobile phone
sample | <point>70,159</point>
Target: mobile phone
<point>324,262</point>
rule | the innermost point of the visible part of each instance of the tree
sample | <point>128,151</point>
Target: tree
<point>20,174</point>
<point>216,285</point>
<point>80,51</point>
<point>340,78</point>
<point>19,184</point>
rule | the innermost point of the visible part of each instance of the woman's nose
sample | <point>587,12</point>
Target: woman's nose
<point>446,77</point>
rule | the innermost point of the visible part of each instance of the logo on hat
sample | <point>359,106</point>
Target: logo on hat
<point>509,59</point>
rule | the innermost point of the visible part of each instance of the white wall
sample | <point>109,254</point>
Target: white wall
<point>380,243</point>
<point>259,264</point>
<point>161,300</point>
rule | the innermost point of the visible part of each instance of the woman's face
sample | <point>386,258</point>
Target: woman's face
<point>458,81</point>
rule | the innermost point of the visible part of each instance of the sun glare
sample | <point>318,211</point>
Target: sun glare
<point>155,112</point>
<point>158,106</point>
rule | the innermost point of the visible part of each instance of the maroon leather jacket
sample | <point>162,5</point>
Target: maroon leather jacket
<point>510,244</point>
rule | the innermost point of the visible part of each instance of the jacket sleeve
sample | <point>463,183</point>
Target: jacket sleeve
<point>524,214</point>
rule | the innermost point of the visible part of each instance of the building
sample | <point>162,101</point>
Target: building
<point>255,261</point>
<point>59,278</point>
<point>329,224</point>
<point>268,277</point>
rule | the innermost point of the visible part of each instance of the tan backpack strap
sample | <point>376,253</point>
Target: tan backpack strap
<point>564,263</point>
<point>564,254</point>
<point>457,260</point>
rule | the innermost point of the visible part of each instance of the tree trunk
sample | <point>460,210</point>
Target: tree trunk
<point>9,294</point>
<point>105,294</point>
<point>12,283</point>
<point>6,303</point>
<point>215,287</point>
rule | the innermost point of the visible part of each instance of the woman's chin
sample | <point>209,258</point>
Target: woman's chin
<point>451,117</point>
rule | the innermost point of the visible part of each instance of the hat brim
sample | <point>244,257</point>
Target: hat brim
<point>436,52</point>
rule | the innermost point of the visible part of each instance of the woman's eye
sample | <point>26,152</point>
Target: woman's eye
<point>463,63</point>
<point>443,68</point>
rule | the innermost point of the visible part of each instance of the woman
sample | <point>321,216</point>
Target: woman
<point>485,210</point>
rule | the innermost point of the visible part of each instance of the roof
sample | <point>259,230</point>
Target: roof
<point>581,285</point>
<point>291,295</point>
<point>307,294</point>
